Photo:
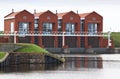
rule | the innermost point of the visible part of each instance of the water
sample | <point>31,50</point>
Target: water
<point>69,70</point>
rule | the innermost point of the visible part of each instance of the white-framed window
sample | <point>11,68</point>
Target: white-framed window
<point>23,27</point>
<point>36,24</point>
<point>12,27</point>
<point>70,27</point>
<point>59,24</point>
<point>47,27</point>
<point>92,28</point>
<point>82,26</point>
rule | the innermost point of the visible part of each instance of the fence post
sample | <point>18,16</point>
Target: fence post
<point>14,37</point>
<point>63,39</point>
<point>109,41</point>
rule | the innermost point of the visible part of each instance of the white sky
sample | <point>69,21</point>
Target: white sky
<point>109,9</point>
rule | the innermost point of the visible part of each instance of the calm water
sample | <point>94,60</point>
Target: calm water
<point>69,70</point>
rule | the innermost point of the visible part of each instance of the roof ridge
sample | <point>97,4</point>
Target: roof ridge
<point>8,14</point>
<point>83,15</point>
<point>86,13</point>
<point>60,15</point>
<point>40,13</point>
<point>15,13</point>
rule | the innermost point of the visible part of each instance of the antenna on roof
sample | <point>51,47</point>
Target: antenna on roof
<point>77,11</point>
<point>12,10</point>
<point>34,11</point>
<point>56,12</point>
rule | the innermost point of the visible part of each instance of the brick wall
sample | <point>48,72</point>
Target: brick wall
<point>105,43</point>
<point>3,40</point>
<point>93,18</point>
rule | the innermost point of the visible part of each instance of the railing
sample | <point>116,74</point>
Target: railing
<point>53,33</point>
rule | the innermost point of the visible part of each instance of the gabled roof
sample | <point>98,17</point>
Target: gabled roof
<point>11,15</point>
<point>83,15</point>
<point>60,15</point>
<point>38,14</point>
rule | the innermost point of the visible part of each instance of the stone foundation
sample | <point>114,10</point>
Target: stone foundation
<point>28,58</point>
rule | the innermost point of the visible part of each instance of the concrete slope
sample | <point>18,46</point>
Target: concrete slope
<point>9,47</point>
<point>4,58</point>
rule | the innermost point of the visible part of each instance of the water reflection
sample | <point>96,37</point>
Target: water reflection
<point>71,63</point>
<point>29,67</point>
<point>82,62</point>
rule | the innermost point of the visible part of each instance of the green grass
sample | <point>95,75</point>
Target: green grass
<point>2,54</point>
<point>30,48</point>
<point>116,38</point>
<point>1,32</point>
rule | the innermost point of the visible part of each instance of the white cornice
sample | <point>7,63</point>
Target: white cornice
<point>9,18</point>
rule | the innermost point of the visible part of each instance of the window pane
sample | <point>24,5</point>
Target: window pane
<point>12,26</point>
<point>92,28</point>
<point>47,27</point>
<point>23,27</point>
<point>70,27</point>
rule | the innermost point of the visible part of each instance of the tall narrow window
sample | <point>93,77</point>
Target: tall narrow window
<point>47,27</point>
<point>82,26</point>
<point>23,27</point>
<point>59,24</point>
<point>70,27</point>
<point>36,25</point>
<point>92,28</point>
<point>12,27</point>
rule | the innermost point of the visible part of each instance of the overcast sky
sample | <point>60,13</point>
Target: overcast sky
<point>109,9</point>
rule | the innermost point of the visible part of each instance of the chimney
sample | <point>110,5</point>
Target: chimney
<point>34,11</point>
<point>77,11</point>
<point>56,12</point>
<point>12,10</point>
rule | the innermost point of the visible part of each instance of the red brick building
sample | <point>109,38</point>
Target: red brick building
<point>47,22</point>
<point>91,23</point>
<point>21,22</point>
<point>69,22</point>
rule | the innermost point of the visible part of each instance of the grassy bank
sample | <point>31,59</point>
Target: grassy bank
<point>30,48</point>
<point>2,54</point>
<point>116,38</point>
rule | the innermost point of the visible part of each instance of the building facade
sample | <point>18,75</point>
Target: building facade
<point>68,24</point>
<point>91,23</point>
<point>46,22</point>
<point>21,22</point>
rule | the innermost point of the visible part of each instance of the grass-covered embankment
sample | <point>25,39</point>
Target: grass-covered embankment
<point>2,54</point>
<point>32,48</point>
<point>115,36</point>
